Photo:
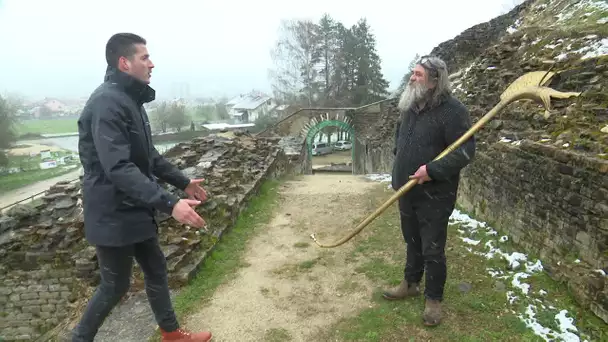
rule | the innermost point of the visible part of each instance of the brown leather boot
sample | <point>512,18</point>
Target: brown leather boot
<point>181,335</point>
<point>432,313</point>
<point>402,291</point>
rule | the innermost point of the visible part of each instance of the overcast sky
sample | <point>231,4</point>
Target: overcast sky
<point>56,48</point>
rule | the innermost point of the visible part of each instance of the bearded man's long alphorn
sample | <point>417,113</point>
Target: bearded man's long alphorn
<point>530,86</point>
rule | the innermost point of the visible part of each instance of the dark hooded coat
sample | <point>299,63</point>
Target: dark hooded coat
<point>120,191</point>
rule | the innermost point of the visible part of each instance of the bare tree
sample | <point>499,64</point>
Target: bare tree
<point>177,116</point>
<point>8,119</point>
<point>160,116</point>
<point>295,56</point>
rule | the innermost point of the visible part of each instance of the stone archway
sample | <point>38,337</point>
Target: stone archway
<point>316,125</point>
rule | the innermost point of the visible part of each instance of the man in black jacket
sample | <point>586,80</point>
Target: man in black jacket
<point>431,119</point>
<point>120,193</point>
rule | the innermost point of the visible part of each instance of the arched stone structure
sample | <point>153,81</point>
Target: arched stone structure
<point>367,123</point>
<point>316,125</point>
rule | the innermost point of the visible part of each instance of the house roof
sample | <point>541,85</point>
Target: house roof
<point>251,102</point>
<point>235,100</point>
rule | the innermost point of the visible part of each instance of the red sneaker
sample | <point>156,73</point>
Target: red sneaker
<point>181,335</point>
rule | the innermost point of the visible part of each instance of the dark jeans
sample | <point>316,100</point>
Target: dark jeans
<point>424,222</point>
<point>115,264</point>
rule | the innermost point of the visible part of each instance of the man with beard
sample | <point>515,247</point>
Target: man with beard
<point>430,120</point>
<point>120,192</point>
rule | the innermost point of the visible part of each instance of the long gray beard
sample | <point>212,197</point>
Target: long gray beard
<point>414,92</point>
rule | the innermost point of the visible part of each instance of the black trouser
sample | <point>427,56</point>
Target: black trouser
<point>115,264</point>
<point>424,222</point>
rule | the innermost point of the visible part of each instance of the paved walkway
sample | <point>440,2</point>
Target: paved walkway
<point>34,188</point>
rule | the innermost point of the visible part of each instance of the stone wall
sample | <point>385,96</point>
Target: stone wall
<point>293,124</point>
<point>466,46</point>
<point>549,189</point>
<point>296,155</point>
<point>374,137</point>
<point>48,269</point>
<point>373,159</point>
<point>553,203</point>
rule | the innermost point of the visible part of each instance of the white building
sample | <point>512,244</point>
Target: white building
<point>248,108</point>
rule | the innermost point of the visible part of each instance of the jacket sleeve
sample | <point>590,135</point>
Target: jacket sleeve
<point>456,123</point>
<point>167,171</point>
<point>397,127</point>
<point>111,138</point>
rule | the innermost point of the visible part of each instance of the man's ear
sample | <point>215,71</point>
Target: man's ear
<point>124,64</point>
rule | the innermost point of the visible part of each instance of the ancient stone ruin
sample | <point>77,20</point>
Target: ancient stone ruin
<point>541,180</point>
<point>47,268</point>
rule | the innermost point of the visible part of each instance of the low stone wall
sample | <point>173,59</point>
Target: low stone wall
<point>551,202</point>
<point>47,268</point>
<point>296,154</point>
<point>373,158</point>
<point>293,124</point>
<point>374,141</point>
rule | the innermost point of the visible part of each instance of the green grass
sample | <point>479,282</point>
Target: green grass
<point>28,163</point>
<point>31,171</point>
<point>47,126</point>
<point>18,180</point>
<point>480,314</point>
<point>223,263</point>
<point>277,335</point>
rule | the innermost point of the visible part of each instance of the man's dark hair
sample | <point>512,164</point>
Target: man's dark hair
<point>121,45</point>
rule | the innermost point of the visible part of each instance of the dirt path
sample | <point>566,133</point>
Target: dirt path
<point>34,188</point>
<point>292,289</point>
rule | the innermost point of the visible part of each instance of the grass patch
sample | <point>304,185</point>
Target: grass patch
<point>15,181</point>
<point>475,306</point>
<point>350,286</point>
<point>47,126</point>
<point>30,171</point>
<point>293,271</point>
<point>277,335</point>
<point>223,263</point>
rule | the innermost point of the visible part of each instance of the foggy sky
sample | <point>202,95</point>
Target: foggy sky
<point>56,48</point>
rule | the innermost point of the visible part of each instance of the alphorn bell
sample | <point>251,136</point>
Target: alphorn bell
<point>530,86</point>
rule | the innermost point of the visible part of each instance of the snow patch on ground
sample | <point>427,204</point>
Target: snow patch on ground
<point>380,177</point>
<point>513,28</point>
<point>516,275</point>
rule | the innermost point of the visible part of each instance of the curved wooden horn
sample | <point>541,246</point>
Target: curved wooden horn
<point>527,86</point>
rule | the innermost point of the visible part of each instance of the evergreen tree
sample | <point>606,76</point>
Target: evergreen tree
<point>328,51</point>
<point>326,64</point>
<point>406,78</point>
<point>343,78</point>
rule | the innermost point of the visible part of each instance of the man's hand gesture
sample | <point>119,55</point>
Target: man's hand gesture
<point>421,175</point>
<point>184,213</point>
<point>195,191</point>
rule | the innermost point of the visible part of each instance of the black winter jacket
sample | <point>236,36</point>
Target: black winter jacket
<point>120,192</point>
<point>422,136</point>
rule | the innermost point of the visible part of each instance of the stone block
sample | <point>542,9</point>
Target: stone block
<point>557,210</point>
